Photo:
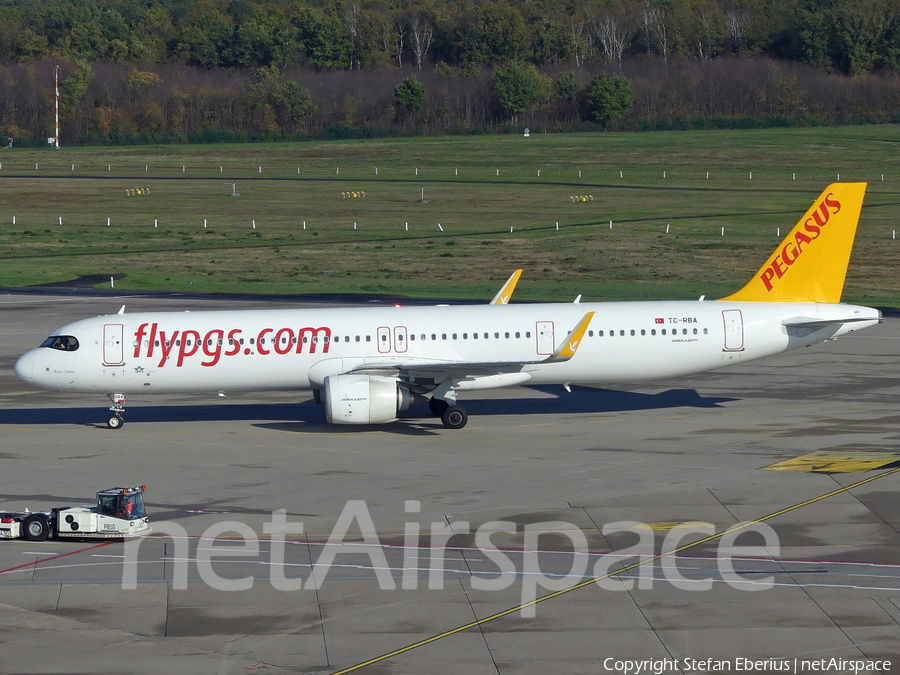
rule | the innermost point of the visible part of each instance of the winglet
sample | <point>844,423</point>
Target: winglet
<point>505,293</point>
<point>810,264</point>
<point>570,345</point>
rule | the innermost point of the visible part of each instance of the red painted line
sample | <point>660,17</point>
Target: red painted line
<point>55,557</point>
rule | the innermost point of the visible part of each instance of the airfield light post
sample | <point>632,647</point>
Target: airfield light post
<point>56,107</point>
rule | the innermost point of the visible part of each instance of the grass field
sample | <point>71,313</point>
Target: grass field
<point>283,185</point>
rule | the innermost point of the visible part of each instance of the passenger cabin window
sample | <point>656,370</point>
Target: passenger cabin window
<point>368,338</point>
<point>517,334</point>
<point>599,333</point>
<point>64,343</point>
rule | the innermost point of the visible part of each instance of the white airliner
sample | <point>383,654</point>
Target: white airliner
<point>369,364</point>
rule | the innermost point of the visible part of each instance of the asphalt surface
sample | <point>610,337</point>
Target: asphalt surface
<point>560,479</point>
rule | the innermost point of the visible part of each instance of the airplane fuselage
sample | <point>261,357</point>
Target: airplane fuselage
<point>257,350</point>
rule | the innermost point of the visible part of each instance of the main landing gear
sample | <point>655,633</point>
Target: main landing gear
<point>452,416</point>
<point>117,410</point>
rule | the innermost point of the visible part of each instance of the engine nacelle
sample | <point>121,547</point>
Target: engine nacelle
<point>365,399</point>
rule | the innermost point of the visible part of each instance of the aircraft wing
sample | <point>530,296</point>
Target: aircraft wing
<point>439,371</point>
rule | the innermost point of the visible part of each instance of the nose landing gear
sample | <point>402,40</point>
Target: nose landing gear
<point>117,410</point>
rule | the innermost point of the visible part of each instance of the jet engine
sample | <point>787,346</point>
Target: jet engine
<point>365,399</point>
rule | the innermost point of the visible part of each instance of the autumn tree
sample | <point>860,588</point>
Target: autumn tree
<point>278,104</point>
<point>520,88</point>
<point>410,94</point>
<point>609,97</point>
<point>496,33</point>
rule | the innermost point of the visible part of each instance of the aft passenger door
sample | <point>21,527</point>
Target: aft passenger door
<point>734,330</point>
<point>113,349</point>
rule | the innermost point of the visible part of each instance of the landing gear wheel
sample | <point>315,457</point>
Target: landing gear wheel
<point>437,406</point>
<point>115,422</point>
<point>454,417</point>
<point>36,528</point>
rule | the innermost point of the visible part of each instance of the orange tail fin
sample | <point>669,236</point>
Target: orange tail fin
<point>810,264</point>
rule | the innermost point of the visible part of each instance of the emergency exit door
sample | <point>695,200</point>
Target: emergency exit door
<point>113,349</point>
<point>545,341</point>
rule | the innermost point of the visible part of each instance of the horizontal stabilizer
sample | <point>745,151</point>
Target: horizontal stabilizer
<point>821,323</point>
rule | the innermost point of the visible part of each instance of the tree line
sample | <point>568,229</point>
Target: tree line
<point>135,71</point>
<point>849,36</point>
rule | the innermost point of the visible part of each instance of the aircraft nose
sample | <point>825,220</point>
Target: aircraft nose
<point>25,366</point>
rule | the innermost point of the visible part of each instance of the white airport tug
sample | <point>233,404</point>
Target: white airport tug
<point>119,513</point>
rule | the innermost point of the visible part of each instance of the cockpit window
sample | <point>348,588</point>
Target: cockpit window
<point>64,343</point>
